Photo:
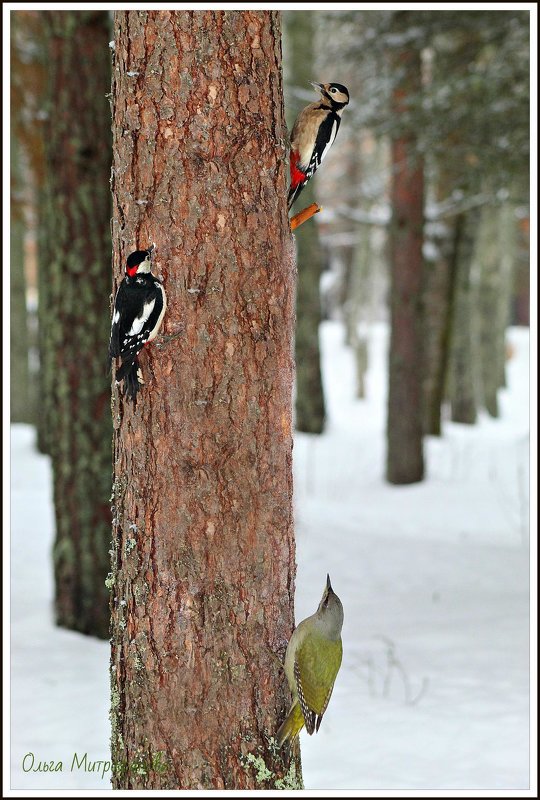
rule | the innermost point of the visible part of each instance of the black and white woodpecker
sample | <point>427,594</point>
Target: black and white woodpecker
<point>139,308</point>
<point>313,134</point>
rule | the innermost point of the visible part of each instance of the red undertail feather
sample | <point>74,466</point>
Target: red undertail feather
<point>297,176</point>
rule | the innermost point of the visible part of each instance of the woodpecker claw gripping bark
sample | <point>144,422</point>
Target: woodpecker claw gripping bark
<point>313,134</point>
<point>139,308</point>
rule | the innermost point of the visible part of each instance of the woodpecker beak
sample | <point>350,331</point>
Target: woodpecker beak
<point>328,584</point>
<point>317,86</point>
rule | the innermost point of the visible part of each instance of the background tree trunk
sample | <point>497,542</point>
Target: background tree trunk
<point>521,287</point>
<point>357,258</point>
<point>358,311</point>
<point>46,314</point>
<point>350,289</point>
<point>507,267</point>
<point>494,255</point>
<point>20,398</point>
<point>309,406</point>
<point>462,390</point>
<point>440,296</point>
<point>29,69</point>
<point>203,548</point>
<point>437,297</point>
<point>74,317</point>
<point>405,459</point>
<point>439,283</point>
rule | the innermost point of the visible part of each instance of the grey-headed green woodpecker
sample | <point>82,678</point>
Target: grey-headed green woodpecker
<point>312,661</point>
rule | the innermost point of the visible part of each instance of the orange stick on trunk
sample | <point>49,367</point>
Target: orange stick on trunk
<point>304,215</point>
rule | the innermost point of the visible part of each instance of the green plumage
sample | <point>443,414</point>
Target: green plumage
<point>312,663</point>
<point>318,660</point>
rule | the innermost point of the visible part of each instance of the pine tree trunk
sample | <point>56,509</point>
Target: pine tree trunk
<point>20,399</point>
<point>203,549</point>
<point>439,301</point>
<point>440,276</point>
<point>75,318</point>
<point>351,289</point>
<point>507,268</point>
<point>45,315</point>
<point>309,406</point>
<point>346,296</point>
<point>358,307</point>
<point>436,306</point>
<point>495,263</point>
<point>521,284</point>
<point>405,460</point>
<point>438,298</point>
<point>462,366</point>
<point>29,71</point>
<point>356,259</point>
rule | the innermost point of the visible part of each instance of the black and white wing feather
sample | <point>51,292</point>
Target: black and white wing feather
<point>138,311</point>
<point>139,307</point>
<point>325,138</point>
<point>310,717</point>
<point>120,302</point>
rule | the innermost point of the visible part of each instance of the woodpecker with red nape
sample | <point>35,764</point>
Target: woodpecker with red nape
<point>313,134</point>
<point>139,308</point>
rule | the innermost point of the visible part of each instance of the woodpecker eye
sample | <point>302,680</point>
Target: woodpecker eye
<point>333,90</point>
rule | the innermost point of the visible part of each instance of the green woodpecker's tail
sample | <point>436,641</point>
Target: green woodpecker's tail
<point>292,725</point>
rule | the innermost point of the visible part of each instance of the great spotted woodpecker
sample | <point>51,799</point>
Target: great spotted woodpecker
<point>313,133</point>
<point>139,308</point>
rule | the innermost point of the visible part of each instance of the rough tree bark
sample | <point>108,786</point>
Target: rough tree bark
<point>405,459</point>
<point>309,405</point>
<point>75,320</point>
<point>203,550</point>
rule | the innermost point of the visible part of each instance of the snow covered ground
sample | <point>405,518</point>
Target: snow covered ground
<point>433,691</point>
<point>432,576</point>
<point>59,679</point>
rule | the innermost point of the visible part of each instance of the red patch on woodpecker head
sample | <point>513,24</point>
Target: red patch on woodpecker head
<point>132,271</point>
<point>297,176</point>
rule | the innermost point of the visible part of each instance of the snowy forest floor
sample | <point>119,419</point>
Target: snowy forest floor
<point>434,579</point>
